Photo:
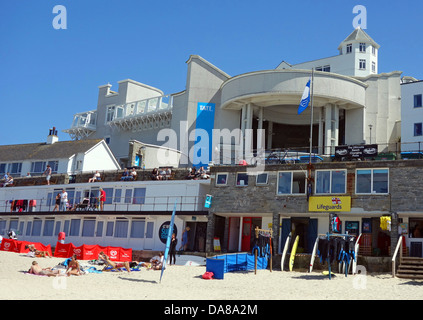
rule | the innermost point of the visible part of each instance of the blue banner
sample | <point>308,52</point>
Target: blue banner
<point>204,134</point>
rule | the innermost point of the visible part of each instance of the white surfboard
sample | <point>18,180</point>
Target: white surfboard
<point>313,254</point>
<point>356,248</point>
<point>285,249</point>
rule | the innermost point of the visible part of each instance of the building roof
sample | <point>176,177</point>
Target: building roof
<point>44,151</point>
<point>359,35</point>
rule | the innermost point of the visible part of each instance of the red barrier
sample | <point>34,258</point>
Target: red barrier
<point>84,252</point>
<point>19,246</point>
<point>90,252</point>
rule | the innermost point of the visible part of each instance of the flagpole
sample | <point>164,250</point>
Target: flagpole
<point>311,117</point>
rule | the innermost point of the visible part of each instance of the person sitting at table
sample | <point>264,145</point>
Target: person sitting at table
<point>155,174</point>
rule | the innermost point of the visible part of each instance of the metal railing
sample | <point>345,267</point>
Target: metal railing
<point>394,257</point>
<point>122,204</point>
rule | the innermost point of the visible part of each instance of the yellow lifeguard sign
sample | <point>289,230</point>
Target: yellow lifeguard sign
<point>329,204</point>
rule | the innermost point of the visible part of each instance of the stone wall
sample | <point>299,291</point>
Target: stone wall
<point>404,195</point>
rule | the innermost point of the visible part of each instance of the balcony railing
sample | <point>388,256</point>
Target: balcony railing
<point>112,204</point>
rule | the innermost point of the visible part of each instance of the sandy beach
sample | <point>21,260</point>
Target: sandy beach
<point>185,283</point>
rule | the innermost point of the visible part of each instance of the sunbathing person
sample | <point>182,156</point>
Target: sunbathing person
<point>36,269</point>
<point>37,253</point>
<point>73,267</point>
<point>116,265</point>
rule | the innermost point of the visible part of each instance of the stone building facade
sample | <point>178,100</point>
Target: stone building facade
<point>236,209</point>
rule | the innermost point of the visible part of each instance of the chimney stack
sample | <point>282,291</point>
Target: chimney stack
<point>52,136</point>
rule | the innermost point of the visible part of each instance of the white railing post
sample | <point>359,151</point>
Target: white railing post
<point>394,257</point>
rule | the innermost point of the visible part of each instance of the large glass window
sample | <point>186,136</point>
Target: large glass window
<point>109,195</point>
<point>418,129</point>
<point>139,196</point>
<point>291,182</point>
<point>74,227</point>
<point>48,227</point>
<point>330,181</point>
<point>137,228</point>
<point>372,181</point>
<point>121,229</point>
<point>36,227</point>
<point>88,228</point>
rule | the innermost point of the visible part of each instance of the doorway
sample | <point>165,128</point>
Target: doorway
<point>248,226</point>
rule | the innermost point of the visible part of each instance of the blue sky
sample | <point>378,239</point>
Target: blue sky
<point>48,75</point>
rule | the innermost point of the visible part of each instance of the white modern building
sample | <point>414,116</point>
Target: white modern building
<point>411,115</point>
<point>353,104</point>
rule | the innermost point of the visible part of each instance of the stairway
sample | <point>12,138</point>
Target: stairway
<point>410,268</point>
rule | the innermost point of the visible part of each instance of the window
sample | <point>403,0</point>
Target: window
<point>349,48</point>
<point>221,179</point>
<point>109,195</point>
<point>3,227</point>
<point>109,228</point>
<point>28,228</point>
<point>417,129</point>
<point>291,183</point>
<point>139,196</point>
<point>36,227</point>
<point>88,228</point>
<point>242,179</point>
<point>57,228</point>
<point>38,167</point>
<point>330,181</point>
<point>121,229</point>
<point>118,196</point>
<point>137,229</point>
<point>74,227</point>
<point>99,232</point>
<point>261,179</point>
<point>362,47</point>
<point>374,51</point>
<point>372,181</point>
<point>128,195</point>
<point>362,64</point>
<point>326,68</point>
<point>417,101</point>
<point>14,168</point>
<point>48,227</point>
<point>110,113</point>
<point>374,67</point>
<point>2,168</point>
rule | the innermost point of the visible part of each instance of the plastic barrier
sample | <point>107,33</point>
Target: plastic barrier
<point>19,246</point>
<point>90,252</point>
<point>222,264</point>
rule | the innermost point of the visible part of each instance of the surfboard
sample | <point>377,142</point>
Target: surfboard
<point>356,248</point>
<point>285,249</point>
<point>293,251</point>
<point>313,254</point>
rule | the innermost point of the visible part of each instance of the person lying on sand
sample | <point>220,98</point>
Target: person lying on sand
<point>36,269</point>
<point>116,265</point>
<point>37,253</point>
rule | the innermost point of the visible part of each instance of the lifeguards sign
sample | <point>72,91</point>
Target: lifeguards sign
<point>329,204</point>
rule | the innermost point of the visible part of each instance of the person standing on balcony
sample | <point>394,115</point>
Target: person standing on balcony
<point>47,173</point>
<point>63,200</point>
<point>102,199</point>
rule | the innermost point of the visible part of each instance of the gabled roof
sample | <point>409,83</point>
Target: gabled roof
<point>359,35</point>
<point>44,151</point>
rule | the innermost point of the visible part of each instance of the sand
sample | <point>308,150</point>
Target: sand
<point>185,283</point>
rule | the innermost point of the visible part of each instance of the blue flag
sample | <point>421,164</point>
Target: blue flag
<point>169,238</point>
<point>305,99</point>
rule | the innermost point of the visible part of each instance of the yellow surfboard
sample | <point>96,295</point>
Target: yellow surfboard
<point>293,251</point>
